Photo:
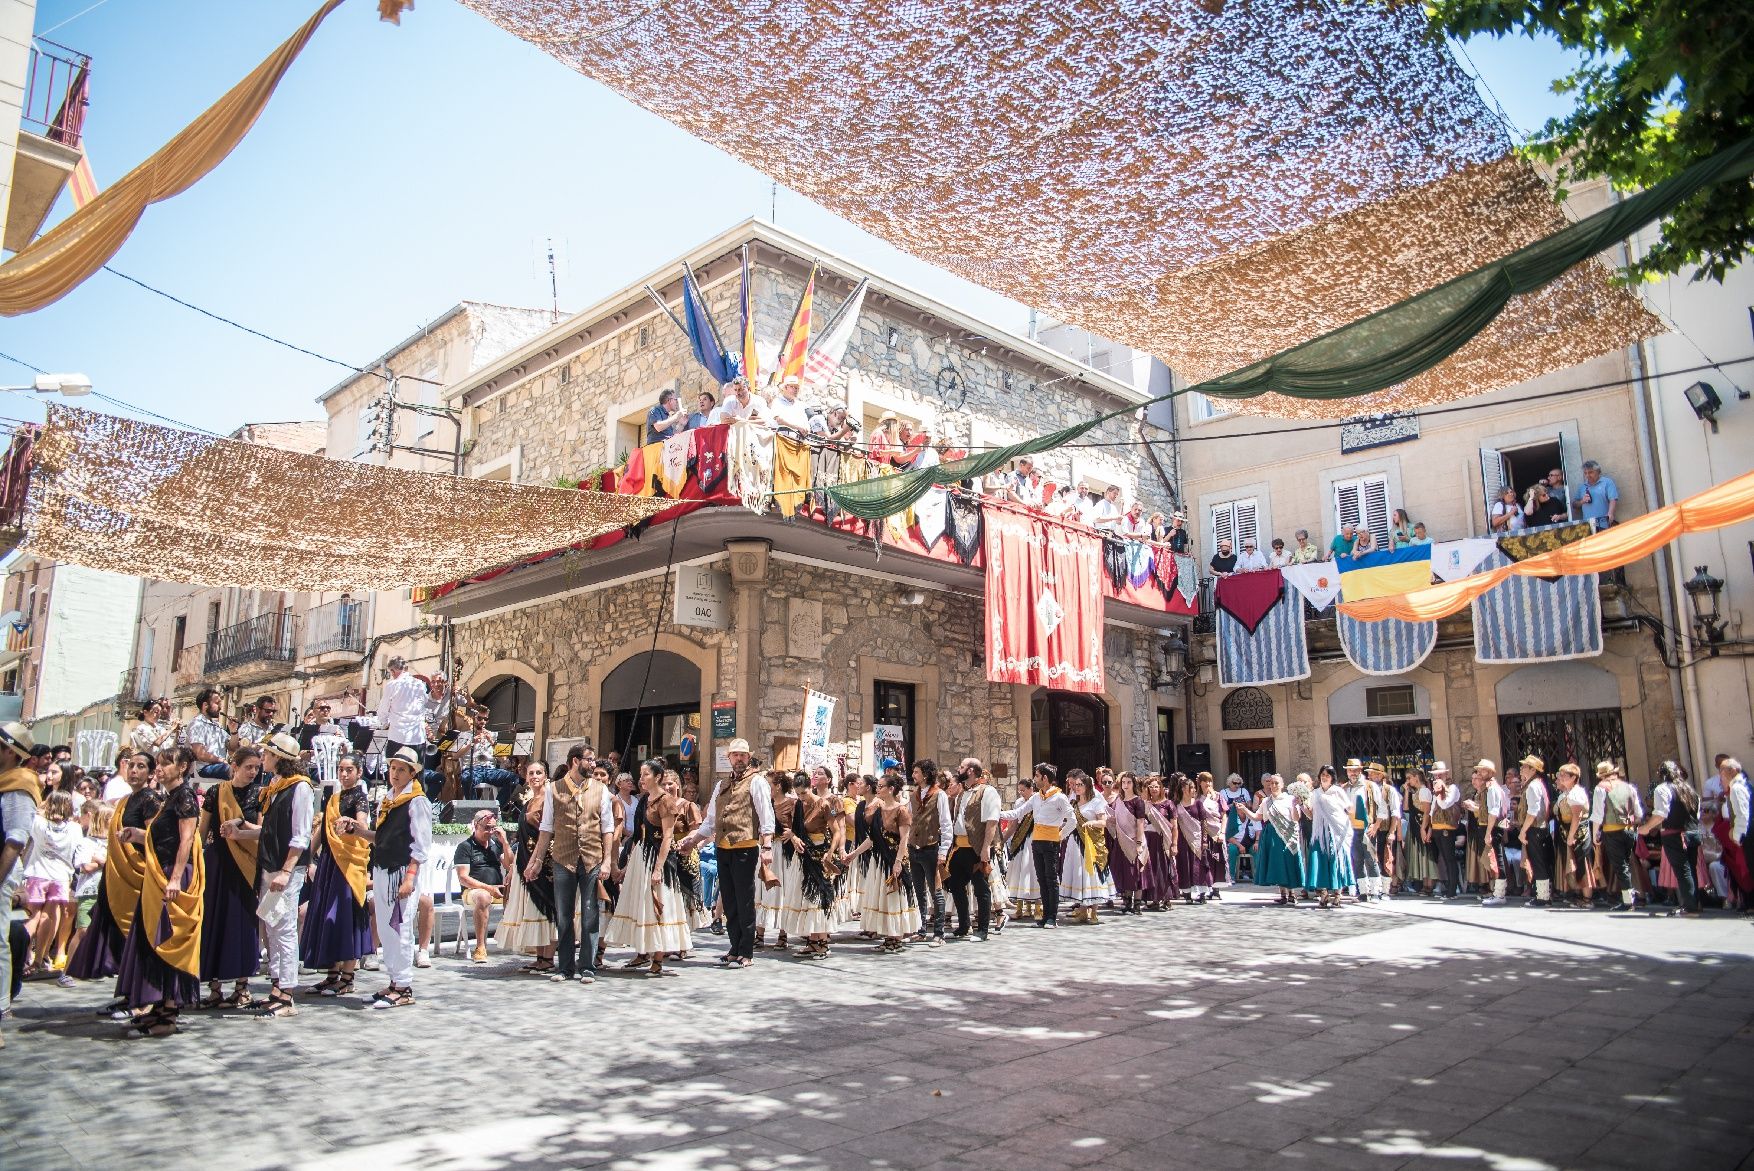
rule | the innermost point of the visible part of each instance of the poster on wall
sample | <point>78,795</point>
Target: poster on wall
<point>724,731</point>
<point>813,740</point>
<point>888,743</point>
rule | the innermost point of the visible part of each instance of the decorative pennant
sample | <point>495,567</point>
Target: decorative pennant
<point>1530,620</point>
<point>1276,652</point>
<point>1318,582</point>
<point>1248,597</point>
<point>1389,647</point>
<point>1454,560</point>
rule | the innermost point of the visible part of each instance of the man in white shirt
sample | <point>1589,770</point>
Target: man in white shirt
<point>1536,836</point>
<point>1250,559</point>
<point>1738,801</point>
<point>1055,819</point>
<point>788,408</point>
<point>578,829</point>
<point>1616,812</point>
<point>402,714</point>
<point>738,819</point>
<point>976,834</point>
<point>206,735</point>
<point>1106,513</point>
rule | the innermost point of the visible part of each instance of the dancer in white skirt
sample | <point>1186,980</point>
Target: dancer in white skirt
<point>652,910</point>
<point>1020,882</point>
<point>819,838</point>
<point>1084,876</point>
<point>888,907</point>
<point>771,901</point>
<point>700,916</point>
<point>862,790</point>
<point>527,926</point>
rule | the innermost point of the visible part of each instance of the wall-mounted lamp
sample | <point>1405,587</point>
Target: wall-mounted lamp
<point>1702,591</point>
<point>1705,402</point>
<point>894,337</point>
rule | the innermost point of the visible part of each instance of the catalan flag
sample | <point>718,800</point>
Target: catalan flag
<point>1377,575</point>
<point>797,344</point>
<point>83,185</point>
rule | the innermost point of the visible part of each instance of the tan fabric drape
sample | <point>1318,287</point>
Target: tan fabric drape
<point>1726,504</point>
<point>53,265</point>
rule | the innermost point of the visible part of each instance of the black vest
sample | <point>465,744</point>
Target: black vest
<point>1680,819</point>
<point>393,848</point>
<point>277,832</point>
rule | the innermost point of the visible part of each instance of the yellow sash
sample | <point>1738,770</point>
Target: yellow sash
<point>123,874</point>
<point>22,780</point>
<point>351,854</point>
<point>398,800</point>
<point>280,785</point>
<point>242,852</point>
<point>1095,843</point>
<point>182,948</point>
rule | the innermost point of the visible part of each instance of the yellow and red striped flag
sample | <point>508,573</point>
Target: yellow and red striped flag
<point>796,347</point>
<point>83,184</point>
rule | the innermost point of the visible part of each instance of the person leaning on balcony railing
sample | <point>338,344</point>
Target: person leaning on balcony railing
<point>1280,556</point>
<point>665,419</point>
<point>1223,562</point>
<point>1251,559</point>
<point>1304,552</point>
<point>833,425</point>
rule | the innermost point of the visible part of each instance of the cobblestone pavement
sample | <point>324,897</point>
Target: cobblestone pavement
<point>1239,1035</point>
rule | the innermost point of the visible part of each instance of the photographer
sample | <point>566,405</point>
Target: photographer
<point>834,426</point>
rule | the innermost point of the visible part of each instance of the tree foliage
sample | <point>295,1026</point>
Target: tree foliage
<point>1661,84</point>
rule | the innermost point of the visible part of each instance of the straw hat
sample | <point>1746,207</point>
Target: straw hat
<point>1353,762</point>
<point>738,745</point>
<point>282,746</point>
<point>405,756</point>
<point>1486,766</point>
<point>1606,769</point>
<point>15,736</point>
<point>1534,762</point>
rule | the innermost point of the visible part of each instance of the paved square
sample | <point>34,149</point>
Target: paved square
<point>1239,1035</point>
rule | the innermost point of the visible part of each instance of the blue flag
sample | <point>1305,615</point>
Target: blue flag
<point>702,334</point>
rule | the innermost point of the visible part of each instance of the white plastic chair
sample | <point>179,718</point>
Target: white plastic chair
<point>325,752</point>
<point>452,906</point>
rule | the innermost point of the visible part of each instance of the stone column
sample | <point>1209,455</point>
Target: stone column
<point>749,561</point>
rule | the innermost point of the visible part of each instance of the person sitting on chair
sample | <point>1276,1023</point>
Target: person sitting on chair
<point>482,861</point>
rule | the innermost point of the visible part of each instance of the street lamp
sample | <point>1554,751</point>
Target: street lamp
<point>1705,402</point>
<point>70,385</point>
<point>1702,591</point>
<point>1174,671</point>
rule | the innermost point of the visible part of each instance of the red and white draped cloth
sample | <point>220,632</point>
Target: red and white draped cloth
<point>1044,602</point>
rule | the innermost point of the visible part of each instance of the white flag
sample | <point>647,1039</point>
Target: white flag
<point>829,348</point>
<point>1454,560</point>
<point>1318,581</point>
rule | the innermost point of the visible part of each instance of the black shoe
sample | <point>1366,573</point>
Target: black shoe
<point>981,935</point>
<point>1050,925</point>
<point>1538,903</point>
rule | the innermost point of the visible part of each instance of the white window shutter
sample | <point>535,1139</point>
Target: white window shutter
<point>1346,505</point>
<point>1491,476</point>
<point>1375,503</point>
<point>1223,524</point>
<point>1245,524</point>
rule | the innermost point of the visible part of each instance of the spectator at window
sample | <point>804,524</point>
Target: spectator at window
<point>1177,537</point>
<point>1598,497</point>
<point>1419,537</point>
<point>1280,557</point>
<point>666,418</point>
<point>1540,507</point>
<point>1506,515</point>
<point>1400,529</point>
<point>1223,562</point>
<point>706,409</point>
<point>1344,542</point>
<point>1364,543</point>
<point>1305,551</point>
<point>482,860</point>
<point>1134,523</point>
<point>789,410</point>
<point>1106,512</point>
<point>1250,560</point>
<point>1556,486</point>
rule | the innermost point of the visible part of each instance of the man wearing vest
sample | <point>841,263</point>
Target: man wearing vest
<point>1537,836</point>
<point>1616,812</point>
<point>977,830</point>
<point>578,829</point>
<point>399,845</point>
<point>289,809</point>
<point>739,822</point>
<point>929,849</point>
<point>20,794</point>
<point>1446,819</point>
<point>1494,817</point>
<point>1674,806</point>
<point>1367,812</point>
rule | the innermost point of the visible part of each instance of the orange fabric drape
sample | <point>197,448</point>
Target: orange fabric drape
<point>52,266</point>
<point>1725,504</point>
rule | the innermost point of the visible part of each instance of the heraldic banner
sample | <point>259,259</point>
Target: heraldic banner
<point>1044,603</point>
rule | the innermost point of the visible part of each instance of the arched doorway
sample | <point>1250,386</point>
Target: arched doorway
<point>664,720</point>
<point>1068,730</point>
<point>510,704</point>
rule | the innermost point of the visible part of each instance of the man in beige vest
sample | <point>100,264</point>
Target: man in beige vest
<point>976,820</point>
<point>578,826</point>
<point>738,820</point>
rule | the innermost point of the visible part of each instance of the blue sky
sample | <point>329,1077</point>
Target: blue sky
<point>396,172</point>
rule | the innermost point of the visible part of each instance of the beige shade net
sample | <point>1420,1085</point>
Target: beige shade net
<point>138,498</point>
<point>1211,182</point>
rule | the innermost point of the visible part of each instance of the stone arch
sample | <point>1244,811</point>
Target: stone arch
<point>487,674</point>
<point>705,658</point>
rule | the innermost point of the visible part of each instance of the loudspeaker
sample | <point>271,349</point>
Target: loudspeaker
<point>463,812</point>
<point>1193,758</point>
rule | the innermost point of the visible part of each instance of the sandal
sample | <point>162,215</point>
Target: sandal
<point>657,968</point>
<point>150,1019</point>
<point>326,986</point>
<point>279,1005</point>
<point>539,968</point>
<point>213,999</point>
<point>343,986</point>
<point>393,997</point>
<point>239,998</point>
<point>638,961</point>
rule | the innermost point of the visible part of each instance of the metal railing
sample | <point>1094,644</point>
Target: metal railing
<point>190,667</point>
<point>135,685</point>
<point>56,91</point>
<point>264,638</point>
<point>337,626</point>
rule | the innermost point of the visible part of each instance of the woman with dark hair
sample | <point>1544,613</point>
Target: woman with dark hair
<point>338,926</point>
<point>770,901</point>
<point>1160,889</point>
<point>1279,856</point>
<point>1193,872</point>
<point>1084,874</point>
<point>657,897</point>
<point>230,942</point>
<point>99,954</point>
<point>1129,854</point>
<point>888,908</point>
<point>1328,865</point>
<point>1674,808</point>
<point>1020,882</point>
<point>862,792</point>
<point>1418,858</point>
<point>161,959</point>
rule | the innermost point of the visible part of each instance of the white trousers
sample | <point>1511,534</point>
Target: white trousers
<point>281,933</point>
<point>397,941</point>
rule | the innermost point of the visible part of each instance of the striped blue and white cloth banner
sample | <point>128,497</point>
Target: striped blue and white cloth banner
<point>1275,653</point>
<point>1528,620</point>
<point>1389,647</point>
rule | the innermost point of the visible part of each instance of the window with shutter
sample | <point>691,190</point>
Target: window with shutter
<point>1346,511</point>
<point>1234,521</point>
<point>1245,523</point>
<point>1222,527</point>
<point>1364,504</point>
<point>1493,476</point>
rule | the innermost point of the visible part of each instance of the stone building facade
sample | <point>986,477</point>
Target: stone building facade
<point>889,635</point>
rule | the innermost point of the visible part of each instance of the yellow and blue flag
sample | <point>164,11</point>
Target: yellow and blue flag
<point>1380,575</point>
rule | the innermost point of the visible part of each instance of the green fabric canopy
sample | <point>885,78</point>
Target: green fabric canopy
<point>1371,354</point>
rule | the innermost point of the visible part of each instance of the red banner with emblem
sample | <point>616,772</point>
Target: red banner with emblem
<point>1044,602</point>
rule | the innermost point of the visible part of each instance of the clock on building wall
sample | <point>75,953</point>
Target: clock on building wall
<point>951,388</point>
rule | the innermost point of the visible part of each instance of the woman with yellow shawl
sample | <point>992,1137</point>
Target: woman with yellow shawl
<point>231,946</point>
<point>1084,875</point>
<point>162,957</point>
<point>118,892</point>
<point>338,926</point>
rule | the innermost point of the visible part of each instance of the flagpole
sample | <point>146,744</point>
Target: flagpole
<point>834,321</point>
<point>711,325</point>
<point>674,320</point>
